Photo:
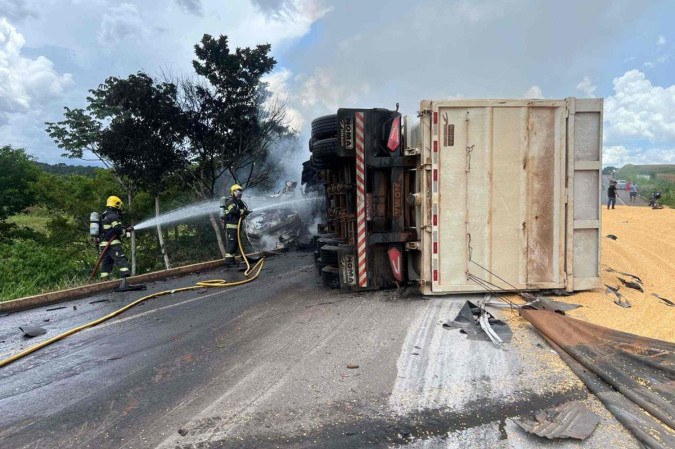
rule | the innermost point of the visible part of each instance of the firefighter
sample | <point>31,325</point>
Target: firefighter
<point>230,212</point>
<point>112,232</point>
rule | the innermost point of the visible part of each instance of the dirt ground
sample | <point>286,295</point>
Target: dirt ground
<point>645,247</point>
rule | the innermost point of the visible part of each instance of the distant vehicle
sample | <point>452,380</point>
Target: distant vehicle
<point>621,184</point>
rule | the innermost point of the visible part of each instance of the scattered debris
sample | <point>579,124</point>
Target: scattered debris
<point>620,299</point>
<point>56,308</point>
<point>99,300</point>
<point>569,420</point>
<point>203,290</point>
<point>612,236</point>
<point>352,366</point>
<point>182,432</point>
<point>667,301</point>
<point>639,369</point>
<point>556,292</point>
<point>612,270</point>
<point>543,303</point>
<point>479,324</point>
<point>74,307</point>
<point>631,284</point>
<point>117,357</point>
<point>46,320</point>
<point>32,331</point>
<point>350,433</point>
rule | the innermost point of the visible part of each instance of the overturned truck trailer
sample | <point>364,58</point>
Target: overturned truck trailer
<point>472,196</point>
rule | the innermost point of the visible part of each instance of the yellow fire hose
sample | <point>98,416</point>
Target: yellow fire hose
<point>251,273</point>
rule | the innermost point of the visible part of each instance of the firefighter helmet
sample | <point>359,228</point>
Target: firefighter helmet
<point>115,202</point>
<point>234,188</point>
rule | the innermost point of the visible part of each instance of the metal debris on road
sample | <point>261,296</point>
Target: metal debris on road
<point>32,331</point>
<point>639,368</point>
<point>569,420</point>
<point>620,299</point>
<point>666,301</point>
<point>479,324</point>
<point>56,308</point>
<point>612,236</point>
<point>99,300</point>
<point>182,432</point>
<point>543,303</point>
<point>352,366</point>
<point>630,284</point>
<point>612,270</point>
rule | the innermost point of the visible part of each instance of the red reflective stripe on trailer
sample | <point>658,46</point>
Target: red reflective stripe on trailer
<point>435,146</point>
<point>435,220</point>
<point>435,174</point>
<point>435,118</point>
<point>361,200</point>
<point>435,275</point>
<point>435,247</point>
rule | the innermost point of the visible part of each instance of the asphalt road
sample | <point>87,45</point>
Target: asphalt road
<point>266,365</point>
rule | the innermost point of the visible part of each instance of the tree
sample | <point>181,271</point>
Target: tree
<point>144,138</point>
<point>225,113</point>
<point>232,122</point>
<point>609,170</point>
<point>16,176</point>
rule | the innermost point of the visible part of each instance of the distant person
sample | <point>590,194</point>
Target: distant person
<point>628,184</point>
<point>231,210</point>
<point>633,192</point>
<point>112,232</point>
<point>611,194</point>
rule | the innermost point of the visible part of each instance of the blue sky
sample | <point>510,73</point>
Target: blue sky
<point>356,53</point>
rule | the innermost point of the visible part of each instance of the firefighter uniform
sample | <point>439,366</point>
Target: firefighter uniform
<point>230,212</point>
<point>111,221</point>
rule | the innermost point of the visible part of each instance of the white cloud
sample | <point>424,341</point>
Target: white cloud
<point>288,19</point>
<point>640,110</point>
<point>25,84</point>
<point>16,10</point>
<point>278,84</point>
<point>661,41</point>
<point>619,155</point>
<point>533,92</point>
<point>120,22</point>
<point>587,87</point>
<point>191,6</point>
<point>322,90</point>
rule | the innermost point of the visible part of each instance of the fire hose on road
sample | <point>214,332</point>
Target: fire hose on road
<point>251,273</point>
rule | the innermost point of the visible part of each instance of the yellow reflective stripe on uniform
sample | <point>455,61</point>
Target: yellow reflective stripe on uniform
<point>227,211</point>
<point>231,226</point>
<point>115,223</point>
<point>114,242</point>
<point>106,226</point>
<point>229,255</point>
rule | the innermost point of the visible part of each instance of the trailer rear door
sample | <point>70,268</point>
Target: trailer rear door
<point>498,212</point>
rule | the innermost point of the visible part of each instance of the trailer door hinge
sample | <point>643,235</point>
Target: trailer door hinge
<point>411,151</point>
<point>567,195</point>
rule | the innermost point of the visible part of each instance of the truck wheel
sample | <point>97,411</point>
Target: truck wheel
<point>326,126</point>
<point>330,276</point>
<point>329,254</point>
<point>325,148</point>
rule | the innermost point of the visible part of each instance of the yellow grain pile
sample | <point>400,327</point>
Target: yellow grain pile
<point>645,247</point>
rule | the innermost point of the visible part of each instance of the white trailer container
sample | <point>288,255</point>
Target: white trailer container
<point>508,195</point>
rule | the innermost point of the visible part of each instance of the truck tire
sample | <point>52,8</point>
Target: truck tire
<point>326,126</point>
<point>330,276</point>
<point>329,254</point>
<point>325,148</point>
